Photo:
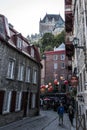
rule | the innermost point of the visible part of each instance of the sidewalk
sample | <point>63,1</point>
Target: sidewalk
<point>16,124</point>
<point>37,123</point>
<point>74,123</point>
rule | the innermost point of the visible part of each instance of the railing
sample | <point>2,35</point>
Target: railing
<point>80,122</point>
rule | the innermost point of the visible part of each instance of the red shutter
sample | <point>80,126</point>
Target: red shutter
<point>1,100</point>
<point>30,100</point>
<point>13,101</point>
<point>23,100</point>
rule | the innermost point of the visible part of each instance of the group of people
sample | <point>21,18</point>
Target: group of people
<point>60,112</point>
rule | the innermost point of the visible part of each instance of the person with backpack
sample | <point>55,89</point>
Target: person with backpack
<point>60,112</point>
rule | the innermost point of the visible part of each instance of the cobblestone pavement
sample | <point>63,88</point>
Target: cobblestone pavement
<point>48,120</point>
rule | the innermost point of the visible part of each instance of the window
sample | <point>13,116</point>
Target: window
<point>33,100</point>
<point>20,72</point>
<point>63,65</point>
<point>34,76</point>
<point>55,65</point>
<point>28,74</point>
<point>32,52</point>
<point>10,69</point>
<point>55,57</point>
<point>19,42</point>
<point>7,102</point>
<point>18,101</point>
<point>63,57</point>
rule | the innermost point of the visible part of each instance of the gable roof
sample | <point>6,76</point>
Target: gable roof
<point>61,47</point>
<point>51,16</point>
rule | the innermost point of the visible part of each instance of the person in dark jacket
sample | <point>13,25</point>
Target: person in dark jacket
<point>71,114</point>
<point>60,112</point>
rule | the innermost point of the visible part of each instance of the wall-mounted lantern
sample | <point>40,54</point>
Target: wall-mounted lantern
<point>76,42</point>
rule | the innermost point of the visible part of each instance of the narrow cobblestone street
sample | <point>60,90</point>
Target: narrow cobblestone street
<point>48,120</point>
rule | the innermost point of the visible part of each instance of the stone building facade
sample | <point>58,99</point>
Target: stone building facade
<point>20,71</point>
<point>76,37</point>
<point>80,62</point>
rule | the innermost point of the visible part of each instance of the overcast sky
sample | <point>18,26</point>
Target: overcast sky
<point>25,15</point>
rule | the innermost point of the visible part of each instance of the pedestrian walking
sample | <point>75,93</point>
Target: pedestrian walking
<point>60,112</point>
<point>71,114</point>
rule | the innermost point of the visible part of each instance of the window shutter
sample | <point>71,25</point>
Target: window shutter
<point>1,100</point>
<point>30,100</point>
<point>13,101</point>
<point>23,100</point>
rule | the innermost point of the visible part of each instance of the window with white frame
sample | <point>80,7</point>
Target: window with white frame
<point>7,102</point>
<point>28,74</point>
<point>62,65</point>
<point>55,57</point>
<point>21,72</point>
<point>10,71</point>
<point>55,65</point>
<point>18,101</point>
<point>33,100</point>
<point>63,57</point>
<point>19,42</point>
<point>34,76</point>
<point>32,52</point>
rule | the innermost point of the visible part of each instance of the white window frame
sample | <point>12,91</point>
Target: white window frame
<point>34,76</point>
<point>19,42</point>
<point>55,66</point>
<point>55,57</point>
<point>63,57</point>
<point>7,102</point>
<point>33,100</point>
<point>21,72</point>
<point>18,101</point>
<point>28,70</point>
<point>10,72</point>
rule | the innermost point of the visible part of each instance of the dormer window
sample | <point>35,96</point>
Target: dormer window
<point>2,27</point>
<point>32,52</point>
<point>19,42</point>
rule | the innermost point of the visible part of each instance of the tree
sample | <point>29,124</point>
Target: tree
<point>60,38</point>
<point>49,48</point>
<point>47,39</point>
